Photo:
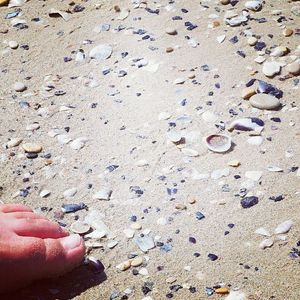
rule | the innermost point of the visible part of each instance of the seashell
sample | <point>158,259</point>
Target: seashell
<point>267,243</point>
<point>267,88</point>
<point>94,219</point>
<point>103,194</point>
<point>145,243</point>
<point>190,152</point>
<point>95,264</point>
<point>174,136</point>
<point>80,227</point>
<point>247,124</point>
<point>283,227</point>
<point>101,52</point>
<point>262,231</point>
<point>274,169</point>
<point>253,5</point>
<point>69,208</point>
<point>218,142</point>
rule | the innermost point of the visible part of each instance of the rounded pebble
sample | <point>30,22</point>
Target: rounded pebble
<point>264,101</point>
<point>19,87</point>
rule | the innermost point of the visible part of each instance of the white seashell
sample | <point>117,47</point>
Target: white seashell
<point>217,174</point>
<point>253,5</point>
<point>101,52</point>
<point>221,38</point>
<point>103,194</point>
<point>70,193</point>
<point>174,136</point>
<point>267,243</point>
<point>189,152</point>
<point>247,124</point>
<point>129,233</point>
<point>274,169</point>
<point>253,175</point>
<point>255,140</point>
<point>262,231</point>
<point>284,227</point>
<point>112,244</point>
<point>45,193</point>
<point>143,271</point>
<point>97,234</point>
<point>164,116</point>
<point>209,116</point>
<point>218,142</point>
<point>80,227</point>
<point>79,143</point>
<point>180,80</point>
<point>94,219</point>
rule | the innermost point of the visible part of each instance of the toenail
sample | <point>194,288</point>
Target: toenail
<point>71,242</point>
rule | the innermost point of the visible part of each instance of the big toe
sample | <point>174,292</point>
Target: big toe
<point>35,258</point>
<point>62,255</point>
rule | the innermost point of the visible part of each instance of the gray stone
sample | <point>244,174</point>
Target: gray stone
<point>264,101</point>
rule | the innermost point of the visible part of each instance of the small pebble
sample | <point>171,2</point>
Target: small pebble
<point>19,87</point>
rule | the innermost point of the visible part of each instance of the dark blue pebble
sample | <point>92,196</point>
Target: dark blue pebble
<point>176,18</point>
<point>267,88</point>
<point>204,68</point>
<point>152,11</point>
<point>241,53</point>
<point>69,208</point>
<point>249,201</point>
<point>176,287</point>
<point>192,240</point>
<point>183,102</point>
<point>78,8</point>
<point>234,40</point>
<point>259,46</point>
<point>112,168</point>
<point>133,218</point>
<point>275,119</point>
<point>124,54</point>
<point>250,82</point>
<point>212,256</point>
<point>199,215</point>
<point>276,198</point>
<point>171,191</point>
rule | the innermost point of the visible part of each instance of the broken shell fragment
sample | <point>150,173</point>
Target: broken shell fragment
<point>69,208</point>
<point>80,227</point>
<point>247,124</point>
<point>95,264</point>
<point>218,142</point>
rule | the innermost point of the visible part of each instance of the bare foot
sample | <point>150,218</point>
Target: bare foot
<point>32,247</point>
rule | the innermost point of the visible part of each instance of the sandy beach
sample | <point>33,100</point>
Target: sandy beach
<point>111,104</point>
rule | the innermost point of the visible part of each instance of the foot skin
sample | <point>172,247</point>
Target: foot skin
<point>32,247</point>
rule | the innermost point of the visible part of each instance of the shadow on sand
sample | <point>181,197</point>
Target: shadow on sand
<point>62,288</point>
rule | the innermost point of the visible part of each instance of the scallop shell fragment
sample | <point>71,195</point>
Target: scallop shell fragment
<point>218,142</point>
<point>247,124</point>
<point>80,227</point>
